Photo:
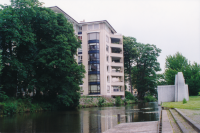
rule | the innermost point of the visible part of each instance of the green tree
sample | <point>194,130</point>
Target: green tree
<point>174,64</point>
<point>192,78</point>
<point>144,72</point>
<point>161,79</point>
<point>38,52</point>
<point>179,63</point>
<point>130,54</point>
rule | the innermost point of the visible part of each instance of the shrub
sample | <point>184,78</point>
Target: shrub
<point>149,98</point>
<point>3,96</point>
<point>198,93</point>
<point>129,96</point>
<point>184,101</point>
<point>101,101</point>
<point>125,100</point>
<point>118,100</point>
<point>9,108</point>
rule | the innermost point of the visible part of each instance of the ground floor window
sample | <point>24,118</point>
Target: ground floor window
<point>94,89</point>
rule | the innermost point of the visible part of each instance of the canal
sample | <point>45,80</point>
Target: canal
<point>87,120</point>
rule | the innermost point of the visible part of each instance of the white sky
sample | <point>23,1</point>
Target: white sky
<point>171,25</point>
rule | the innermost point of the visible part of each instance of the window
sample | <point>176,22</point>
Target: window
<point>94,78</point>
<point>108,79</point>
<point>90,27</point>
<point>107,68</point>
<point>80,49</point>
<point>94,57</point>
<point>94,46</point>
<point>80,37</point>
<point>79,58</point>
<point>108,89</point>
<point>107,39</point>
<point>80,29</point>
<point>93,36</point>
<point>93,67</point>
<point>107,48</point>
<point>96,26</point>
<point>94,89</point>
<point>107,58</point>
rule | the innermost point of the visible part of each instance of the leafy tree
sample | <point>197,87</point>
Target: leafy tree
<point>192,78</point>
<point>38,52</point>
<point>179,63</point>
<point>174,64</point>
<point>144,71</point>
<point>130,54</point>
<point>161,79</point>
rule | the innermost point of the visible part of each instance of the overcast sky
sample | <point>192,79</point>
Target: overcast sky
<point>171,25</point>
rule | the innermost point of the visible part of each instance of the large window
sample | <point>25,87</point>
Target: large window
<point>94,57</point>
<point>94,46</point>
<point>94,78</point>
<point>93,36</point>
<point>93,67</point>
<point>94,89</point>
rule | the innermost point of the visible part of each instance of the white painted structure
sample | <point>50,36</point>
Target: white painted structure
<point>173,93</point>
<point>101,53</point>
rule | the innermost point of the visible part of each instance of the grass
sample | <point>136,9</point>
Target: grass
<point>193,103</point>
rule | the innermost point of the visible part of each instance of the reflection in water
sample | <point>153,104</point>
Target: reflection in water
<point>80,120</point>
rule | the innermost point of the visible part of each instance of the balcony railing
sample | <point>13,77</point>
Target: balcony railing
<point>117,90</point>
<point>116,71</point>
<point>116,43</point>
<point>117,62</point>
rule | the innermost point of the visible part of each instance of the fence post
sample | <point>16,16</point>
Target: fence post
<point>118,118</point>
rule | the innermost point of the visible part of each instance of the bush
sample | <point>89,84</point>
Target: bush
<point>184,101</point>
<point>3,96</point>
<point>118,100</point>
<point>9,108</point>
<point>129,96</point>
<point>125,100</point>
<point>101,101</point>
<point>149,98</point>
<point>198,93</point>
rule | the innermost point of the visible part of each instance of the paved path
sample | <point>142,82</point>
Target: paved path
<point>192,114</point>
<point>135,127</point>
<point>173,123</point>
<point>166,126</point>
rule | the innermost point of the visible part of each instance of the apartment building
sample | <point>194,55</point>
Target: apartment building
<point>101,54</point>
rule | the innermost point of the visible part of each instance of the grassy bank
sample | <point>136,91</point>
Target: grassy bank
<point>87,101</point>
<point>193,103</point>
<point>12,106</point>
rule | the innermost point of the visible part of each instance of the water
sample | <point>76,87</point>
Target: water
<point>87,120</point>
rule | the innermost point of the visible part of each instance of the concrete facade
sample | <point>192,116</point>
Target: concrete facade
<point>102,56</point>
<point>173,93</point>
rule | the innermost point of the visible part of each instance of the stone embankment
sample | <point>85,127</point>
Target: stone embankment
<point>171,121</point>
<point>182,120</point>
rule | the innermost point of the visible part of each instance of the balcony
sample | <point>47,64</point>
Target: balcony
<point>117,61</point>
<point>116,52</point>
<point>117,80</point>
<point>116,42</point>
<point>117,71</point>
<point>117,90</point>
